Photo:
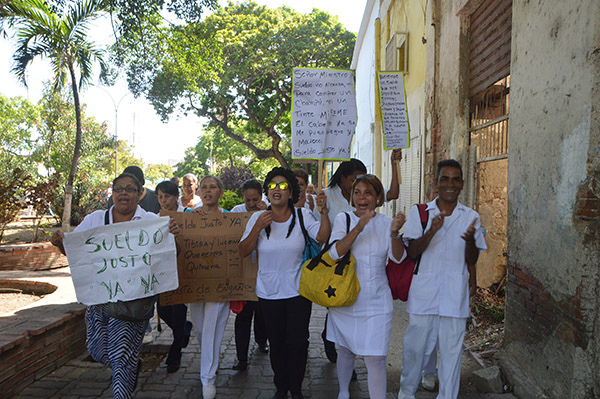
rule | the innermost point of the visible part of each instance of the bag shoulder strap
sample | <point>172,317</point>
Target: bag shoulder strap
<point>106,217</point>
<point>301,221</point>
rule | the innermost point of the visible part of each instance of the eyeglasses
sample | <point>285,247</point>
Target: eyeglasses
<point>128,189</point>
<point>283,185</point>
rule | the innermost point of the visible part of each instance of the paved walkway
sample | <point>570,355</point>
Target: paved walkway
<point>83,378</point>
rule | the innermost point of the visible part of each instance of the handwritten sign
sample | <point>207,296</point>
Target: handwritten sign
<point>122,261</point>
<point>323,113</point>
<point>393,108</point>
<point>210,268</point>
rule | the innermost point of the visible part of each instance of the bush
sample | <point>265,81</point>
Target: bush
<point>88,196</point>
<point>230,199</point>
<point>12,197</point>
<point>234,177</point>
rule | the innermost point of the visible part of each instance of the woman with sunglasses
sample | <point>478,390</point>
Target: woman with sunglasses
<point>363,328</point>
<point>113,342</point>
<point>279,241</point>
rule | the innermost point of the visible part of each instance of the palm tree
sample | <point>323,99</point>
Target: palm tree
<point>61,36</point>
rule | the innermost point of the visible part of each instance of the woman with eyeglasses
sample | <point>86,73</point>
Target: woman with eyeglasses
<point>363,328</point>
<point>279,241</point>
<point>189,199</point>
<point>113,342</point>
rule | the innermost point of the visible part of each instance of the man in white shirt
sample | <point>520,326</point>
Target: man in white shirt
<point>438,300</point>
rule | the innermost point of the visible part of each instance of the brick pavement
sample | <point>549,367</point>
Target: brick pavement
<point>81,378</point>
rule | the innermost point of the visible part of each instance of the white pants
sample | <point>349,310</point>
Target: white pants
<point>209,320</point>
<point>419,342</point>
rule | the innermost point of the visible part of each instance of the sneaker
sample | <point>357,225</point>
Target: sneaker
<point>209,391</point>
<point>428,382</point>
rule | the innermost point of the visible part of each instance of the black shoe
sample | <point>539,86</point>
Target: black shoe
<point>354,376</point>
<point>188,330</point>
<point>280,395</point>
<point>297,395</point>
<point>263,348</point>
<point>171,368</point>
<point>240,366</point>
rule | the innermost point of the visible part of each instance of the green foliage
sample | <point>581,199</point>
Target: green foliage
<point>235,68</point>
<point>230,199</point>
<point>158,172</point>
<point>59,34</point>
<point>19,121</point>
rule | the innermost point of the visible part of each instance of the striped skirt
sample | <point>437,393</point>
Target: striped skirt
<point>115,343</point>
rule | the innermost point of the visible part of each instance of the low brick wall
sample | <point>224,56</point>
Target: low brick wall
<point>36,256</point>
<point>31,355</point>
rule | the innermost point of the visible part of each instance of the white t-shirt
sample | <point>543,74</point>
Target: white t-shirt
<point>441,286</point>
<point>239,208</point>
<point>280,259</point>
<point>96,218</point>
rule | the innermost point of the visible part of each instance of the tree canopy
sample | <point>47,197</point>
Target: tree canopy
<point>235,68</point>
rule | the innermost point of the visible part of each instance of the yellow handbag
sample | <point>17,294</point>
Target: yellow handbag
<point>330,283</point>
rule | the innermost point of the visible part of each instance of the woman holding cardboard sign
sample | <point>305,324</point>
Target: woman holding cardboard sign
<point>113,342</point>
<point>173,315</point>
<point>278,239</point>
<point>363,328</point>
<point>209,318</point>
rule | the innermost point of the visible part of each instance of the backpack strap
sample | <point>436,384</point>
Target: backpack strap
<point>106,217</point>
<point>424,217</point>
<point>347,222</point>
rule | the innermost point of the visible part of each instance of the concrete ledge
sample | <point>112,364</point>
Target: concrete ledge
<point>35,256</point>
<point>43,336</point>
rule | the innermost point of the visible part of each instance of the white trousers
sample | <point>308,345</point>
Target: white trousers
<point>209,320</point>
<point>419,342</point>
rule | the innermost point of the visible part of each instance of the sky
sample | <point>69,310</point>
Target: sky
<point>153,141</point>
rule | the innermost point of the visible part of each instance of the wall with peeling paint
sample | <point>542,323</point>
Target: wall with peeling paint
<point>553,296</point>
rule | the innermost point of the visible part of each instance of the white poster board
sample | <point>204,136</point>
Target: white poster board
<point>122,261</point>
<point>396,130</point>
<point>323,113</point>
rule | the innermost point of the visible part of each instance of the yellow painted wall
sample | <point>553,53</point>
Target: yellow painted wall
<point>407,16</point>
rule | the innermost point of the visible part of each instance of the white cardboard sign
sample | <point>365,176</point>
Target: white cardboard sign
<point>122,261</point>
<point>323,113</point>
<point>396,131</point>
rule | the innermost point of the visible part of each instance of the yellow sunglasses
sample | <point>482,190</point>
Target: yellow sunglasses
<point>283,185</point>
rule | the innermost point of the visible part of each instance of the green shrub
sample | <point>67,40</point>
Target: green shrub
<point>229,200</point>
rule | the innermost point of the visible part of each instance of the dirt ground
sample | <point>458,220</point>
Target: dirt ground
<point>21,230</point>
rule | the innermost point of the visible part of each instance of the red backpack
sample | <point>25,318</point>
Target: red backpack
<point>400,274</point>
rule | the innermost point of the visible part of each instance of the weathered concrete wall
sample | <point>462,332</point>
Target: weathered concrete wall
<point>492,205</point>
<point>553,301</point>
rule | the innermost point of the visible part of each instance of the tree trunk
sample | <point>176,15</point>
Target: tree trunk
<point>66,219</point>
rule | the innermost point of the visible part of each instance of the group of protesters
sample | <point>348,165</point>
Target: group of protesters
<point>446,249</point>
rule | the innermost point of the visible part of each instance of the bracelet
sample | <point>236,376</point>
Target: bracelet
<point>324,211</point>
<point>344,244</point>
<point>396,237</point>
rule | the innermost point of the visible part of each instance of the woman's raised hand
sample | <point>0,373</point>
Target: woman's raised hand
<point>398,222</point>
